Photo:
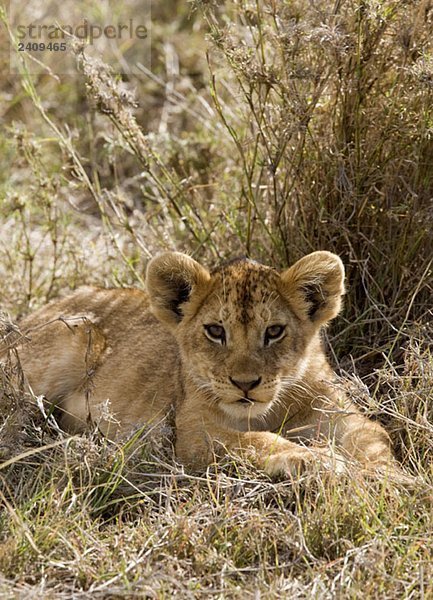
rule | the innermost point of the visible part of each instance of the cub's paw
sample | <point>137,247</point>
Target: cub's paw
<point>296,461</point>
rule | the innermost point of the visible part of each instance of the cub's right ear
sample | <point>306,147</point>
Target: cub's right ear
<point>315,286</point>
<point>171,278</point>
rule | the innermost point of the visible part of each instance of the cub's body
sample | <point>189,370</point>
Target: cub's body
<point>237,352</point>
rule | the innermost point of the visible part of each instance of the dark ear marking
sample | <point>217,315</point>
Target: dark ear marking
<point>183,294</point>
<point>315,299</point>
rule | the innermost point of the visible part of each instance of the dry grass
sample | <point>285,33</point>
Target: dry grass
<point>305,126</point>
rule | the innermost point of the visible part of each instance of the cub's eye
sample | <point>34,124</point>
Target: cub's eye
<point>274,333</point>
<point>216,333</point>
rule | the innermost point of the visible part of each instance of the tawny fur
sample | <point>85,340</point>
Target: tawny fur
<point>145,351</point>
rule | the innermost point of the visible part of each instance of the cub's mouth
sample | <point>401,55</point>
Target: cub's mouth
<point>245,408</point>
<point>246,401</point>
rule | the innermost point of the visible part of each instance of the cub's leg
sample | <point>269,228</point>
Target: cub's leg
<point>365,441</point>
<point>360,439</point>
<point>198,442</point>
<point>200,438</point>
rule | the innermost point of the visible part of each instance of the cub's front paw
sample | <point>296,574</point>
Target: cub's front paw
<point>295,461</point>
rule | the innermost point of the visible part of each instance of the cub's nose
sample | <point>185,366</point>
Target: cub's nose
<point>246,386</point>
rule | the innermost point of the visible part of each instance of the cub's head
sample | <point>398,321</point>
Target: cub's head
<point>245,331</point>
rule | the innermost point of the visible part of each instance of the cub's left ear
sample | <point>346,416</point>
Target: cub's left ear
<point>172,278</point>
<point>314,286</point>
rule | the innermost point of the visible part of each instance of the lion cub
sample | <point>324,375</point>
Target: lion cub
<point>236,350</point>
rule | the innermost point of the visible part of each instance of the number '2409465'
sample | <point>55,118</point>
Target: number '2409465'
<point>41,47</point>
